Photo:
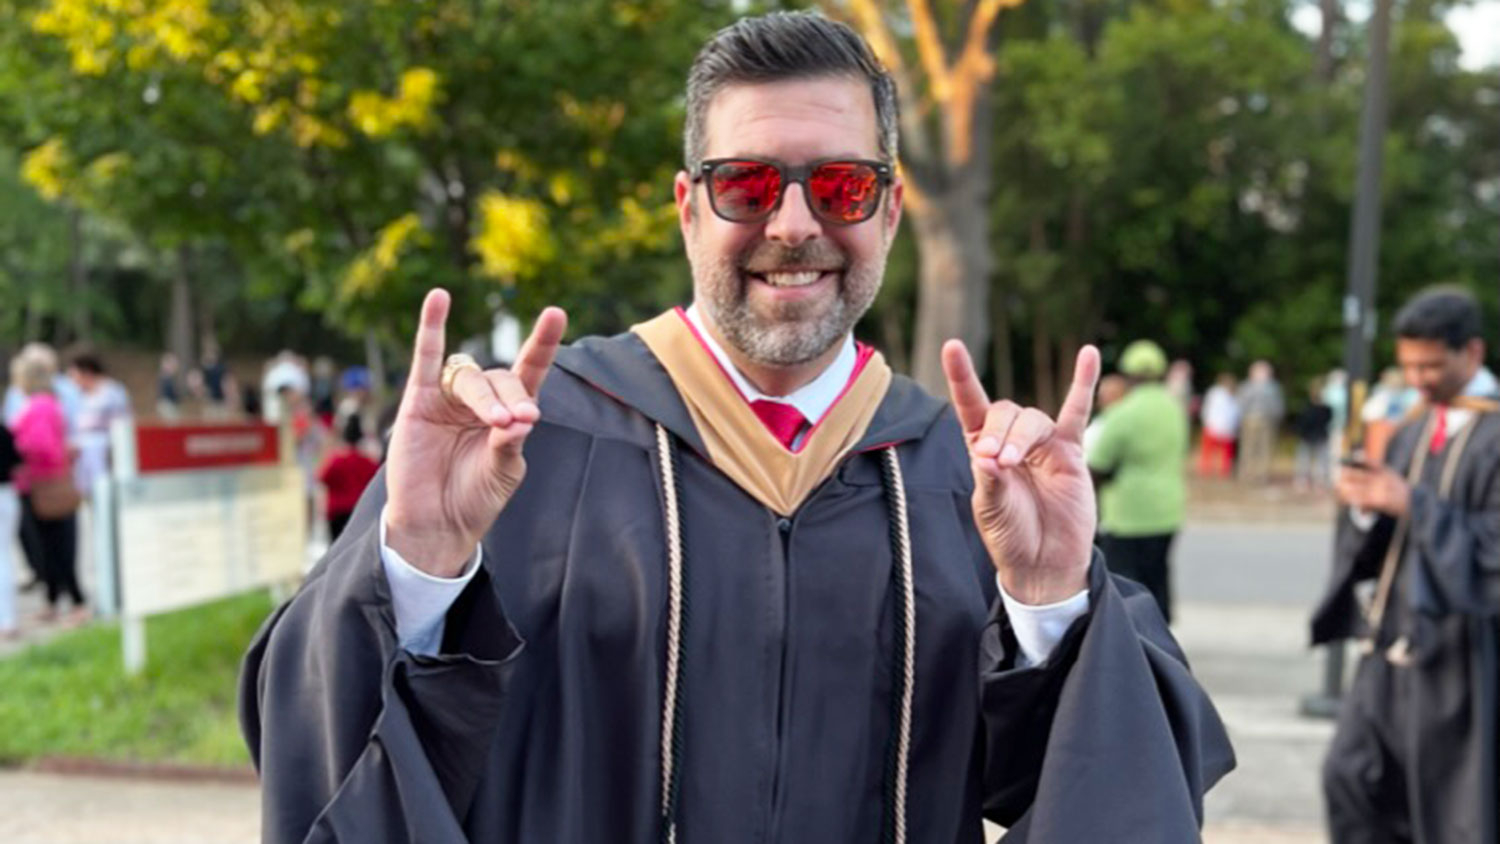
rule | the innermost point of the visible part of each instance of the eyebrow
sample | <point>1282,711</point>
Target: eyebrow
<point>841,156</point>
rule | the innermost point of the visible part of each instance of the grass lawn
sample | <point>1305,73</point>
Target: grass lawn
<point>70,696</point>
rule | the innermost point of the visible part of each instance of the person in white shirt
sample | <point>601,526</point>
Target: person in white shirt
<point>1221,425</point>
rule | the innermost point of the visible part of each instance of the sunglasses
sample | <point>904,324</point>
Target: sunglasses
<point>843,193</point>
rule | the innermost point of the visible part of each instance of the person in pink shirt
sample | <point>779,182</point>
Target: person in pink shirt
<point>41,438</point>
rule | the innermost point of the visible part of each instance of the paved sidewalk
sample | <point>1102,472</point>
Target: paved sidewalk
<point>55,809</point>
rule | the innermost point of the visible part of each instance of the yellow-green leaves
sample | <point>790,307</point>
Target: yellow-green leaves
<point>411,107</point>
<point>370,268</point>
<point>512,236</point>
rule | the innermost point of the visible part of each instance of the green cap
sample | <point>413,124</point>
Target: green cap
<point>1143,359</point>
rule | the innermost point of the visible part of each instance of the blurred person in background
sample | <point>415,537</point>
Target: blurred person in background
<point>286,369</point>
<point>345,474</point>
<point>41,438</point>
<point>1336,396</point>
<point>1221,426</point>
<point>1112,388</point>
<point>63,389</point>
<point>1140,458</point>
<point>66,393</point>
<point>322,388</point>
<point>1414,754</point>
<point>309,439</point>
<point>10,521</point>
<point>168,390</point>
<point>1311,425</point>
<point>103,401</point>
<point>1387,406</point>
<point>1261,410</point>
<point>357,401</point>
<point>1179,382</point>
<point>217,383</point>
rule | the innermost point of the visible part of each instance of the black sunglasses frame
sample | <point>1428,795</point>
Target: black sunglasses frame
<point>795,175</point>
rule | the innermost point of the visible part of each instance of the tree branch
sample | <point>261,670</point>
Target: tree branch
<point>974,69</point>
<point>930,49</point>
<point>916,138</point>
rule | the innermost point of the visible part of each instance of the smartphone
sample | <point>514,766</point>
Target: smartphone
<point>1356,463</point>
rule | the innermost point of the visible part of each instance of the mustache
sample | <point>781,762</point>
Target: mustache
<point>767,257</point>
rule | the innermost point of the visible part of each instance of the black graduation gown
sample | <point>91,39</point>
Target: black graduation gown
<point>540,720</point>
<point>1415,753</point>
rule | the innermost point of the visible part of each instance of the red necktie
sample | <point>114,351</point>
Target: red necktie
<point>782,420</point>
<point>1440,428</point>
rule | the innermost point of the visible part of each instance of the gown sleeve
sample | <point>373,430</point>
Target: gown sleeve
<point>1456,545</point>
<point>1111,733</point>
<point>354,737</point>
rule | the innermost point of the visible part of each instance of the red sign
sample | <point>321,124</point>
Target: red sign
<point>170,448</point>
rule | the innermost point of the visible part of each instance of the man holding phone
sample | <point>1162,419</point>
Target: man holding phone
<point>1414,757</point>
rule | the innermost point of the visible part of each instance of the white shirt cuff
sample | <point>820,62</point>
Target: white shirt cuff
<point>1362,520</point>
<point>1039,627</point>
<point>420,600</point>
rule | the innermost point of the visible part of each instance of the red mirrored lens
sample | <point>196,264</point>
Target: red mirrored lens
<point>844,191</point>
<point>744,190</point>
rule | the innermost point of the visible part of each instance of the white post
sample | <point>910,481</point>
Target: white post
<point>123,469</point>
<point>133,642</point>
<point>106,575</point>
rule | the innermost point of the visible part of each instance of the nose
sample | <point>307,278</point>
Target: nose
<point>793,223</point>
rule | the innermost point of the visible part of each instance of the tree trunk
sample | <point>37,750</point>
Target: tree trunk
<point>1329,10</point>
<point>78,276</point>
<point>1042,366</point>
<point>893,338</point>
<point>208,328</point>
<point>953,282</point>
<point>375,360</point>
<point>1067,352</point>
<point>33,329</point>
<point>1003,355</point>
<point>180,318</point>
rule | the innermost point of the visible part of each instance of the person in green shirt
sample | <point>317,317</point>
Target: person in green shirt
<point>1140,457</point>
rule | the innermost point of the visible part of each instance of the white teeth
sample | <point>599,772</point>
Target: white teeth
<point>792,279</point>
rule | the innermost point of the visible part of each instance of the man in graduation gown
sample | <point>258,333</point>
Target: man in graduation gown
<point>725,578</point>
<point>1413,759</point>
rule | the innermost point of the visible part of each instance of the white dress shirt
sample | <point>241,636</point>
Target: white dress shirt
<point>421,601</point>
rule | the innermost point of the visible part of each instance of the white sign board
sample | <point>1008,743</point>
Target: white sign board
<point>189,537</point>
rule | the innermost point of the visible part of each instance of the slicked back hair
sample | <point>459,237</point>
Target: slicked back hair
<point>781,46</point>
<point>1449,314</point>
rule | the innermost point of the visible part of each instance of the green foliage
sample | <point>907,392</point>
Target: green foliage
<point>347,157</point>
<point>70,696</point>
<point>1183,175</point>
<point>1172,169</point>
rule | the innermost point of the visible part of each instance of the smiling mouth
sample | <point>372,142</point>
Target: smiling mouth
<point>790,278</point>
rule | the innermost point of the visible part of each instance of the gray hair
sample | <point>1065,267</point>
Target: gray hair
<point>32,372</point>
<point>780,46</point>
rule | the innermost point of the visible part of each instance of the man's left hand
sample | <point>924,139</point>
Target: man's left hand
<point>1378,489</point>
<point>1033,499</point>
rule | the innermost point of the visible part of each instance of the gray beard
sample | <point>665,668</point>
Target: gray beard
<point>795,333</point>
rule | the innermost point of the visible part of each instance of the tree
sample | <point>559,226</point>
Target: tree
<point>347,157</point>
<point>943,72</point>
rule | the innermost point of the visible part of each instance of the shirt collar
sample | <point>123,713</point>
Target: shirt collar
<point>812,399</point>
<point>1482,384</point>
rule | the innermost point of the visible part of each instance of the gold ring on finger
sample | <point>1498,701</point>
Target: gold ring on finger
<point>455,364</point>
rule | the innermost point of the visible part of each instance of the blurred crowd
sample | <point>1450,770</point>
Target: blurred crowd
<point>55,447</point>
<point>1140,445</point>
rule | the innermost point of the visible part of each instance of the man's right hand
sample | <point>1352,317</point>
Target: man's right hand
<point>455,460</point>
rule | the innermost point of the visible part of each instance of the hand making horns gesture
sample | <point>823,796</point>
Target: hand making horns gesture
<point>1033,498</point>
<point>455,453</point>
